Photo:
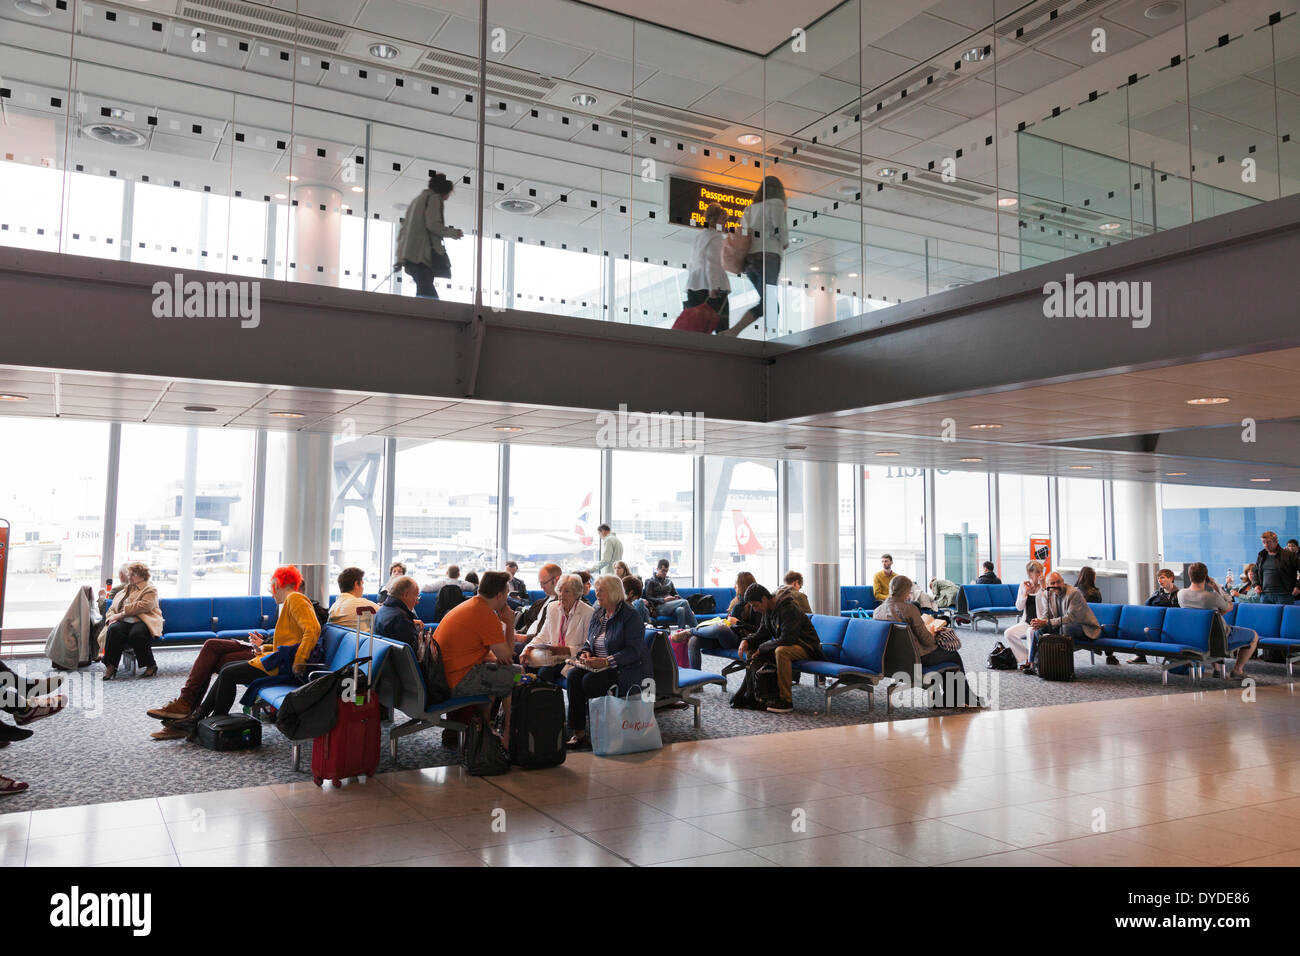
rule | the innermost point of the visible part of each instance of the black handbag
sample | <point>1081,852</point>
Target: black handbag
<point>484,754</point>
<point>441,265</point>
<point>1002,658</point>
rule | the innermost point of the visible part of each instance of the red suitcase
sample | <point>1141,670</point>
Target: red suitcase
<point>351,749</point>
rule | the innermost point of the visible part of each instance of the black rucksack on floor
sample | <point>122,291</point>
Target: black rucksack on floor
<point>1055,657</point>
<point>537,725</point>
<point>702,603</point>
<point>483,755</point>
<point>759,690</point>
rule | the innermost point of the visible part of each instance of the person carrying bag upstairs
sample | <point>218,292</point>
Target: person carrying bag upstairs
<point>419,240</point>
<point>707,282</point>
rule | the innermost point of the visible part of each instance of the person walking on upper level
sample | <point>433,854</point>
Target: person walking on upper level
<point>419,240</point>
<point>766,224</point>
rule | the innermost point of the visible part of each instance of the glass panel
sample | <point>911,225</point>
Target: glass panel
<point>55,507</point>
<point>356,518</point>
<point>445,506</point>
<point>184,507</point>
<point>846,529</point>
<point>848,526</point>
<point>895,503</point>
<point>1222,526</point>
<point>653,502</point>
<point>961,524</point>
<point>1083,532</point>
<point>1023,510</point>
<point>554,507</point>
<point>740,519</point>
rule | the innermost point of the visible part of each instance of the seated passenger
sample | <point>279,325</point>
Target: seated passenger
<point>794,581</point>
<point>344,611</point>
<point>946,593</point>
<point>785,634</point>
<point>26,699</point>
<point>615,651</point>
<point>134,620</point>
<point>297,630</point>
<point>621,570</point>
<point>530,621</point>
<point>396,620</point>
<point>880,583</point>
<point>634,595</point>
<point>518,597</point>
<point>1064,611</point>
<point>472,580</point>
<point>564,631</point>
<point>989,576</point>
<point>452,577</point>
<point>1204,592</point>
<point>1248,590</point>
<point>1028,598</point>
<point>742,621</point>
<point>661,596</point>
<point>477,646</point>
<point>924,644</point>
<point>395,571</point>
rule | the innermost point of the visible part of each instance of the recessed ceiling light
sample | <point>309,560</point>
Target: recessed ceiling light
<point>853,275</point>
<point>33,8</point>
<point>975,54</point>
<point>200,408</point>
<point>584,100</point>
<point>519,207</point>
<point>970,459</point>
<point>886,454</point>
<point>1175,474</point>
<point>987,425</point>
<point>358,189</point>
<point>286,414</point>
<point>291,178</point>
<point>1165,8</point>
<point>12,397</point>
<point>1261,479</point>
<point>814,268</point>
<point>848,189</point>
<point>887,172</point>
<point>1006,201</point>
<point>1108,226</point>
<point>117,113</point>
<point>796,239</point>
<point>494,109</point>
<point>511,429</point>
<point>384,51</point>
<point>281,196</point>
<point>1219,400</point>
<point>1081,467</point>
<point>749,139</point>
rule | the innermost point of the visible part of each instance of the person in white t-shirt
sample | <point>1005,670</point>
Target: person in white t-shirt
<point>1204,592</point>
<point>766,224</point>
<point>706,279</point>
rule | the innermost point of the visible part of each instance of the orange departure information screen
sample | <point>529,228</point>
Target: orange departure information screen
<point>688,198</point>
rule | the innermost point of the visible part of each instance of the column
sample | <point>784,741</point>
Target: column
<point>308,497</point>
<point>1137,540</point>
<point>185,549</point>
<point>317,220</point>
<point>821,498</point>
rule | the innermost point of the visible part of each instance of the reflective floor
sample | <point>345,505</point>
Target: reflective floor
<point>1206,779</point>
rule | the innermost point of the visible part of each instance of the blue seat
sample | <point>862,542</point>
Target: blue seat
<point>535,595</point>
<point>830,631</point>
<point>1108,617</point>
<point>1183,638</point>
<point>428,600</point>
<point>988,602</point>
<point>236,616</point>
<point>855,656</point>
<point>187,620</point>
<point>399,684</point>
<point>857,597</point>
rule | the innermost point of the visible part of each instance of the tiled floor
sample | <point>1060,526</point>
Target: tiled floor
<point>1182,780</point>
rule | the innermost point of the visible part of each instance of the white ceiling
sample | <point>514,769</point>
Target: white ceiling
<point>754,25</point>
<point>1031,419</point>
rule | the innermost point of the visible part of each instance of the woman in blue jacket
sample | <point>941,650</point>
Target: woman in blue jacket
<point>616,648</point>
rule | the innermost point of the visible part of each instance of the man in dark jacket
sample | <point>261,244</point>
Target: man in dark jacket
<point>1166,594</point>
<point>785,634</point>
<point>1276,572</point>
<point>396,619</point>
<point>989,576</point>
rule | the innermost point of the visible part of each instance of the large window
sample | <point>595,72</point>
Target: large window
<point>554,507</point>
<point>1023,507</point>
<point>961,501</point>
<point>653,502</point>
<point>1083,527</point>
<point>1221,526</point>
<point>445,506</point>
<point>895,520</point>
<point>184,505</point>
<point>846,532</point>
<point>54,504</point>
<point>740,521</point>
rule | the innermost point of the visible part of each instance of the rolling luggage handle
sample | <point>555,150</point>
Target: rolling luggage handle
<point>357,699</point>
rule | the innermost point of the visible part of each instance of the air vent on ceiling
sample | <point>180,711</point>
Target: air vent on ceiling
<point>113,135</point>
<point>962,190</point>
<point>841,162</point>
<point>916,78</point>
<point>502,80</point>
<point>1043,23</point>
<point>265,23</point>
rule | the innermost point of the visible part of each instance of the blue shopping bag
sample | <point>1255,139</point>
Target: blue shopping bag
<point>623,725</point>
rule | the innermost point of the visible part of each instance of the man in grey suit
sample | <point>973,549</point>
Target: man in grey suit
<point>1067,612</point>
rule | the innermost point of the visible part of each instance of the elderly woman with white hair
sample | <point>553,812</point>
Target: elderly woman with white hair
<point>614,654</point>
<point>563,632</point>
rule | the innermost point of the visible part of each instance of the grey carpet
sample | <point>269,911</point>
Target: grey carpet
<point>99,748</point>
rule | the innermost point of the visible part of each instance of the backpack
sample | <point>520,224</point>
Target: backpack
<point>484,756</point>
<point>1002,658</point>
<point>449,595</point>
<point>537,725</point>
<point>429,654</point>
<point>317,655</point>
<point>702,603</point>
<point>758,690</point>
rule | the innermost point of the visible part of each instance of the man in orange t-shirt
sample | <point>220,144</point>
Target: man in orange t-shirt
<point>476,638</point>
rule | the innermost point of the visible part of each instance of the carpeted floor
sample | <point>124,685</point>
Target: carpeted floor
<point>99,748</point>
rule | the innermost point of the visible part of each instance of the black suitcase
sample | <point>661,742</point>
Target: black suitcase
<point>230,732</point>
<point>1055,657</point>
<point>537,725</point>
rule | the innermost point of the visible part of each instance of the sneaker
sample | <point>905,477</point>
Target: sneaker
<point>44,707</point>
<point>176,710</point>
<point>781,708</point>
<point>1112,659</point>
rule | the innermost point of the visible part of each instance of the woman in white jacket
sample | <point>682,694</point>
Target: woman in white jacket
<point>1031,590</point>
<point>419,241</point>
<point>564,627</point>
<point>707,279</point>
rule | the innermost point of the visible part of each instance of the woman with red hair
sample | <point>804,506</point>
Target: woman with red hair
<point>297,627</point>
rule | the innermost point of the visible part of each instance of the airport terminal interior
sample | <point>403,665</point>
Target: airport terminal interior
<point>966,332</point>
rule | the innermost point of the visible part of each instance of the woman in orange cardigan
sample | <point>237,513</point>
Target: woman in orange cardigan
<point>297,626</point>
